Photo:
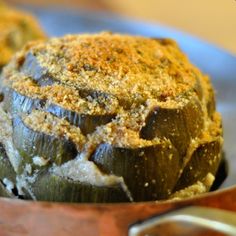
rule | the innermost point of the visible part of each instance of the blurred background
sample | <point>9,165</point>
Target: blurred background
<point>212,20</point>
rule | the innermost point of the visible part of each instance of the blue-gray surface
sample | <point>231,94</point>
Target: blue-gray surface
<point>220,65</point>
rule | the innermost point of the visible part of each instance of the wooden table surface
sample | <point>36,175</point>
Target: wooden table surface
<point>212,20</point>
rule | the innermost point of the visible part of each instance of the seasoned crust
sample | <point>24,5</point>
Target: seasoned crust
<point>126,66</point>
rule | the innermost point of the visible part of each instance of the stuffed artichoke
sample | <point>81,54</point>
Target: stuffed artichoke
<point>106,118</point>
<point>16,28</point>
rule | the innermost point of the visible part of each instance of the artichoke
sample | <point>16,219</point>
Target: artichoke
<point>106,118</point>
<point>17,28</point>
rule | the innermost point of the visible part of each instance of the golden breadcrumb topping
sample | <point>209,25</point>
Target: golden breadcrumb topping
<point>126,66</point>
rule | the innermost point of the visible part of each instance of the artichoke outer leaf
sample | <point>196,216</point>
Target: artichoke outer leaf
<point>146,170</point>
<point>6,169</point>
<point>32,143</point>
<point>16,103</point>
<point>4,192</point>
<point>211,103</point>
<point>87,123</point>
<point>205,159</point>
<point>32,68</point>
<point>50,187</point>
<point>179,125</point>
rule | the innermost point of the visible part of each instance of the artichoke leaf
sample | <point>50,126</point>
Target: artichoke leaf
<point>179,125</point>
<point>205,159</point>
<point>16,103</point>
<point>146,170</point>
<point>6,169</point>
<point>32,68</point>
<point>50,187</point>
<point>4,192</point>
<point>32,143</point>
<point>87,123</point>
